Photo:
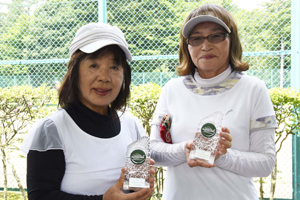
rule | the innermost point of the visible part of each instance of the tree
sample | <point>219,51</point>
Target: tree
<point>286,104</point>
<point>151,28</point>
<point>19,107</point>
<point>42,34</point>
<point>266,29</point>
<point>287,108</point>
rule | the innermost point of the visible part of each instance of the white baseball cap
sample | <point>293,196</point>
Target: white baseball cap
<point>91,37</point>
<point>188,27</point>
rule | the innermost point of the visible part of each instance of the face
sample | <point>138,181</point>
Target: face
<point>210,59</point>
<point>100,81</point>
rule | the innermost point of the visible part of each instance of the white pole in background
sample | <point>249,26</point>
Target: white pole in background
<point>282,64</point>
<point>102,11</point>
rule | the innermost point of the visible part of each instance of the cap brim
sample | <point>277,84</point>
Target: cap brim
<point>187,29</point>
<point>94,46</point>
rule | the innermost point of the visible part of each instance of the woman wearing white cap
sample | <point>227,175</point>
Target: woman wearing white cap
<point>78,152</point>
<point>211,63</point>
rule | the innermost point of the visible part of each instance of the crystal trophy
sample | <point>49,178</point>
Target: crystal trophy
<point>137,165</point>
<point>206,138</point>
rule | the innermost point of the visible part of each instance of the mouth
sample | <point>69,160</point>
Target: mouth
<point>207,57</point>
<point>102,92</point>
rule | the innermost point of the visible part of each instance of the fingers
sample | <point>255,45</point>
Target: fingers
<point>187,152</point>
<point>204,164</point>
<point>152,162</point>
<point>188,144</point>
<point>220,151</point>
<point>225,129</point>
<point>152,170</point>
<point>225,138</point>
<point>151,181</point>
<point>226,134</point>
<point>115,192</point>
<point>187,148</point>
<point>151,177</point>
<point>140,195</point>
<point>198,163</point>
<point>224,142</point>
<point>192,162</point>
<point>120,182</point>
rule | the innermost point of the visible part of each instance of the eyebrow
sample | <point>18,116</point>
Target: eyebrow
<point>90,57</point>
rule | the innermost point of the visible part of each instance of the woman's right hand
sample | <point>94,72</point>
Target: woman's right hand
<point>115,192</point>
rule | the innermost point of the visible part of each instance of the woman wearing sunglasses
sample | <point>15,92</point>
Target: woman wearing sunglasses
<point>211,67</point>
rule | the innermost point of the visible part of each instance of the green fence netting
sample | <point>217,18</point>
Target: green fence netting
<point>35,36</point>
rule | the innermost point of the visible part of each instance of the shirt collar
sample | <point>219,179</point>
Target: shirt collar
<point>214,80</point>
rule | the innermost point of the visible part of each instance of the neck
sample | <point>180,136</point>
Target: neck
<point>214,80</point>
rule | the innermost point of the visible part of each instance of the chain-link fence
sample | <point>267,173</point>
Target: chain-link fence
<point>35,35</point>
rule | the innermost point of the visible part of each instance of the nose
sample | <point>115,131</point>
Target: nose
<point>206,46</point>
<point>103,74</point>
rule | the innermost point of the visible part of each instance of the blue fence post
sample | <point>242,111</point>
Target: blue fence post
<point>295,82</point>
<point>102,11</point>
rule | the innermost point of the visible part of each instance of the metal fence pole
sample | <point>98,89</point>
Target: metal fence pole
<point>295,81</point>
<point>281,64</point>
<point>102,11</point>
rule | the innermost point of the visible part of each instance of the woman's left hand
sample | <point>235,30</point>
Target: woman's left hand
<point>152,172</point>
<point>192,162</point>
<point>224,142</point>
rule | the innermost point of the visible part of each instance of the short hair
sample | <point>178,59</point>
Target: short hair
<point>186,65</point>
<point>69,92</point>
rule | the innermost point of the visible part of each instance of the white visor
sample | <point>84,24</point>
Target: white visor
<point>188,27</point>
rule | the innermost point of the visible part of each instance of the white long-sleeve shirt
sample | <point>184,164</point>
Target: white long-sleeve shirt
<point>250,119</point>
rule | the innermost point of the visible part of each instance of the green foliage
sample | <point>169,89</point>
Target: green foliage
<point>143,102</point>
<point>48,31</point>
<point>20,106</point>
<point>42,31</point>
<point>12,195</point>
<point>266,29</point>
<point>42,34</point>
<point>150,27</point>
<point>286,104</point>
<point>142,105</point>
